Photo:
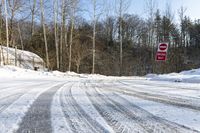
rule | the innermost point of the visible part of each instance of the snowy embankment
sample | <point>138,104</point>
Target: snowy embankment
<point>16,72</point>
<point>20,58</point>
<point>191,76</point>
<point>8,71</point>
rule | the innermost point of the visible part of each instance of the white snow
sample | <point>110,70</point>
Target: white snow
<point>187,117</point>
<point>191,76</point>
<point>25,59</point>
<point>86,105</point>
<point>59,123</point>
<point>12,116</point>
<point>14,80</point>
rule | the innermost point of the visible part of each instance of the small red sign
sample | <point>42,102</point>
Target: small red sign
<point>163,47</point>
<point>161,56</point>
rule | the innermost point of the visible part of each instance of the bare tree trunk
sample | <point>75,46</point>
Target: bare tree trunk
<point>71,33</point>
<point>1,23</point>
<point>71,42</point>
<point>20,36</point>
<point>55,31</point>
<point>151,6</point>
<point>77,66</point>
<point>94,37</point>
<point>44,32</point>
<point>7,33</point>
<point>15,55</point>
<point>61,45</point>
<point>181,13</point>
<point>63,13</point>
<point>32,18</point>
<point>120,34</point>
<point>3,58</point>
<point>66,36</point>
<point>1,28</point>
<point>0,55</point>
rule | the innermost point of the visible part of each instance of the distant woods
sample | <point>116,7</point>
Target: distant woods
<point>70,38</point>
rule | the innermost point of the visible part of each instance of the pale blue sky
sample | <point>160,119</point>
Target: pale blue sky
<point>192,6</point>
<point>138,7</point>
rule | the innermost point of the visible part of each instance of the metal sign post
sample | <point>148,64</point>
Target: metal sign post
<point>161,54</point>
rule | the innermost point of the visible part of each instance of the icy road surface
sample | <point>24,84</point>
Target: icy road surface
<point>88,105</point>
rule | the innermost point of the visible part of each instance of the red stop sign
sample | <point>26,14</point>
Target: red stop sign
<point>163,47</point>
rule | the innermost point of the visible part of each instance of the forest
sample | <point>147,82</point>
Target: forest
<point>103,38</point>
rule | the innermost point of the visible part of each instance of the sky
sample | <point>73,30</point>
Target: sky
<point>192,7</point>
<point>138,7</point>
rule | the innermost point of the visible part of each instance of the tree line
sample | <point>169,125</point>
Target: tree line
<point>117,43</point>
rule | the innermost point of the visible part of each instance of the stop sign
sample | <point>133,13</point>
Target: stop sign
<point>161,54</point>
<point>163,47</point>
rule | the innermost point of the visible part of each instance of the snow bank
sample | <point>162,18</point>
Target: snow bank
<point>191,76</point>
<point>20,73</point>
<point>25,59</point>
<point>9,71</point>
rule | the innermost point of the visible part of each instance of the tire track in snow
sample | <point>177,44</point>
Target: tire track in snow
<point>38,117</point>
<point>167,99</point>
<point>59,122</point>
<point>158,85</point>
<point>84,102</point>
<point>78,120</point>
<point>143,86</point>
<point>114,116</point>
<point>19,85</point>
<point>13,114</point>
<point>150,121</point>
<point>7,99</point>
<point>145,119</point>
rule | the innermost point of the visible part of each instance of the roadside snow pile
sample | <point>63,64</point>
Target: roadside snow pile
<point>191,76</point>
<point>24,59</point>
<point>20,73</point>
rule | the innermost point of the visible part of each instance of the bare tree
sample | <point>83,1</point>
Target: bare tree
<point>33,11</point>
<point>1,22</point>
<point>120,38</point>
<point>55,31</point>
<point>80,51</point>
<point>72,17</point>
<point>44,32</point>
<point>94,36</point>
<point>7,32</point>
<point>109,21</point>
<point>1,28</point>
<point>151,12</point>
<point>121,8</point>
<point>14,6</point>
<point>20,36</point>
<point>63,30</point>
<point>181,13</point>
<point>168,12</point>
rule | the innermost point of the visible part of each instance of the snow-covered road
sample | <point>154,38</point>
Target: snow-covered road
<point>92,105</point>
